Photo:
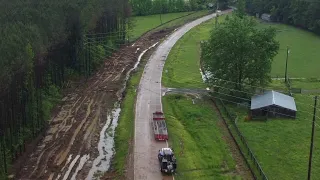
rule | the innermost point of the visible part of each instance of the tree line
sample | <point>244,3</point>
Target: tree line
<point>42,44</point>
<point>147,7</point>
<point>300,13</point>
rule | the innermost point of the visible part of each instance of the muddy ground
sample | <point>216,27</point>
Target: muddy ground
<point>70,144</point>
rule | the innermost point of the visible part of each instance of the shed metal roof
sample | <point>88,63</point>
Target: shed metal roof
<point>273,98</point>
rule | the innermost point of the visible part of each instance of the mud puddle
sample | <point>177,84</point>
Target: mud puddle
<point>106,143</point>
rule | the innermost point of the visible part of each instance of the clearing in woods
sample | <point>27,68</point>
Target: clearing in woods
<point>87,119</point>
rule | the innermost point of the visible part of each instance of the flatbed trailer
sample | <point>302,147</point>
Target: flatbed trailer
<point>159,126</point>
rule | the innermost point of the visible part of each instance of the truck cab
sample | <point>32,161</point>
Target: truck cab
<point>168,163</point>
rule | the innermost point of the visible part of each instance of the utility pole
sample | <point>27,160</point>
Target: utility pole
<point>312,137</point>
<point>216,22</point>
<point>286,72</point>
<point>161,13</point>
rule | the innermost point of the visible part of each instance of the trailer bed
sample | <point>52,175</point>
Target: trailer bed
<point>159,127</point>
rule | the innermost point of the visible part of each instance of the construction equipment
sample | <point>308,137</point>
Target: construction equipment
<point>167,160</point>
<point>159,126</point>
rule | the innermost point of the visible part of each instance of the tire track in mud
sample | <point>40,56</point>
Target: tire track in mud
<point>69,148</point>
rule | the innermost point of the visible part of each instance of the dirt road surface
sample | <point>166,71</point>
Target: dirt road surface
<point>146,165</point>
<point>79,141</point>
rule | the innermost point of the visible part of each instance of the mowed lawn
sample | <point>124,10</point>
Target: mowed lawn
<point>304,56</point>
<point>143,24</point>
<point>282,145</point>
<point>182,68</point>
<point>195,136</point>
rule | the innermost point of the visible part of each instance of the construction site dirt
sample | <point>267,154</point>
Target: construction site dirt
<point>78,143</point>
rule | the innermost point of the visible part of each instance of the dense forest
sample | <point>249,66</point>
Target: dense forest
<point>42,44</point>
<point>301,13</point>
<point>147,7</point>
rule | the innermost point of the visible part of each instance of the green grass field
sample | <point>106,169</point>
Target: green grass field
<point>196,138</point>
<point>182,68</point>
<point>304,57</point>
<point>306,84</point>
<point>282,145</point>
<point>143,24</point>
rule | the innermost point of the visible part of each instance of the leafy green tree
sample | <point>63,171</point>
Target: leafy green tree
<point>241,8</point>
<point>239,52</point>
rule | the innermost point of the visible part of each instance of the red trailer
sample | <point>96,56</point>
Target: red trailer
<point>159,126</point>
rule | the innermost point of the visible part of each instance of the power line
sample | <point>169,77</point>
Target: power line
<point>266,110</point>
<point>237,104</point>
<point>246,98</point>
<point>258,94</point>
<point>217,79</point>
<point>226,81</point>
<point>238,90</point>
<point>260,102</point>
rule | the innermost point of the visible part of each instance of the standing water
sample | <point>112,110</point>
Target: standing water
<point>106,143</point>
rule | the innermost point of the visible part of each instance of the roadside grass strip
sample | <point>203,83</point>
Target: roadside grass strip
<point>198,142</point>
<point>142,24</point>
<point>185,57</point>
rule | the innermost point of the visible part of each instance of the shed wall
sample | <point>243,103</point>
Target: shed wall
<point>273,112</point>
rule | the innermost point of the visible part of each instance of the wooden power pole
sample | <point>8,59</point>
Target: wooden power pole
<point>286,72</point>
<point>312,137</point>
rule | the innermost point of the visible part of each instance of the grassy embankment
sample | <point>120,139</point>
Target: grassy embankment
<point>194,127</point>
<point>282,145</point>
<point>125,129</point>
<point>182,68</point>
<point>201,151</point>
<point>143,24</point>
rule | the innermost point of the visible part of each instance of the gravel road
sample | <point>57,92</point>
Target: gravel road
<point>146,165</point>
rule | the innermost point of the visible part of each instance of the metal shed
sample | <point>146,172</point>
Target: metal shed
<point>273,104</point>
<point>266,17</point>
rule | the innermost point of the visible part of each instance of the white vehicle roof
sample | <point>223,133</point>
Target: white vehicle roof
<point>167,151</point>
